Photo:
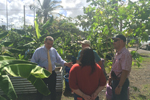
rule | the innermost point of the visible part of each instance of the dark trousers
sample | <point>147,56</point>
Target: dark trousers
<point>51,82</point>
<point>124,92</point>
<point>77,97</point>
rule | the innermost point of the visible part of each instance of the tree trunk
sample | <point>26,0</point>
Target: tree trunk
<point>45,17</point>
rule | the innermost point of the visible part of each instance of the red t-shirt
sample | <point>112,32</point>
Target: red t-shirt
<point>81,78</point>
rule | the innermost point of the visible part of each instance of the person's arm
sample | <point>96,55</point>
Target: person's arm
<point>80,93</point>
<point>126,62</point>
<point>68,64</point>
<point>102,83</point>
<point>97,58</point>
<point>61,61</point>
<point>123,77</point>
<point>100,63</point>
<point>73,83</point>
<point>121,82</point>
<point>77,61</point>
<point>34,58</point>
<point>95,94</point>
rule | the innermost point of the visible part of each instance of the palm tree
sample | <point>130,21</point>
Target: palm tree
<point>44,10</point>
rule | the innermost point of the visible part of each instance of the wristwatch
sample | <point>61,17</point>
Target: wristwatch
<point>119,86</point>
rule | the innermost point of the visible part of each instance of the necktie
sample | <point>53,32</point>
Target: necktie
<point>49,62</point>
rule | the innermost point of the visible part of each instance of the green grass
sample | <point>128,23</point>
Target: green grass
<point>140,89</point>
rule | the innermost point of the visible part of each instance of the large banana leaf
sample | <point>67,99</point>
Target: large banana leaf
<point>13,50</point>
<point>2,57</point>
<point>7,43</point>
<point>39,84</point>
<point>48,23</point>
<point>2,98</point>
<point>37,29</point>
<point>7,87</point>
<point>24,69</point>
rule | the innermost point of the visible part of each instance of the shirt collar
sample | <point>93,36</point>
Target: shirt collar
<point>46,48</point>
<point>121,50</point>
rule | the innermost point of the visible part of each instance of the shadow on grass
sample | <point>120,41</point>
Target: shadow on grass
<point>144,55</point>
<point>143,97</point>
<point>32,96</point>
<point>58,96</point>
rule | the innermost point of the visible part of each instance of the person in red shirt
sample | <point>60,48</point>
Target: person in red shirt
<point>87,78</point>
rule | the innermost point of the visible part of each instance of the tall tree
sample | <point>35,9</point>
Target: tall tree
<point>44,9</point>
<point>106,18</point>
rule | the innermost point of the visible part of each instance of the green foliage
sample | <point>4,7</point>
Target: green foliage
<point>135,89</point>
<point>2,35</point>
<point>19,68</point>
<point>2,98</point>
<point>102,20</point>
<point>7,87</point>
<point>105,19</point>
<point>44,9</point>
<point>37,29</point>
<point>137,58</point>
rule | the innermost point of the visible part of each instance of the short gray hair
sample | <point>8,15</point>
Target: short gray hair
<point>49,38</point>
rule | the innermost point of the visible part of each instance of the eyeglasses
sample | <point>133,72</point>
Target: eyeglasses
<point>115,40</point>
<point>49,43</point>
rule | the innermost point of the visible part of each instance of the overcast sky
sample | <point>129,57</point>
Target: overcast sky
<point>72,8</point>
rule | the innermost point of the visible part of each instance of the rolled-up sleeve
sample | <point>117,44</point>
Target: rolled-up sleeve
<point>73,78</point>
<point>126,62</point>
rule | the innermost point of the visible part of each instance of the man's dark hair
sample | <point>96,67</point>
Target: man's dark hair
<point>87,58</point>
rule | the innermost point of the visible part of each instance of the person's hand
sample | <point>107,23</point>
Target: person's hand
<point>86,97</point>
<point>93,96</point>
<point>117,90</point>
<point>69,64</point>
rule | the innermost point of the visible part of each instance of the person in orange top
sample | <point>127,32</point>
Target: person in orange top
<point>87,78</point>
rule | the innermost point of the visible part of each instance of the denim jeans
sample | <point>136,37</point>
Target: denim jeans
<point>124,92</point>
<point>77,96</point>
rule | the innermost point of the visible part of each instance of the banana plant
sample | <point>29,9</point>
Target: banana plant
<point>20,68</point>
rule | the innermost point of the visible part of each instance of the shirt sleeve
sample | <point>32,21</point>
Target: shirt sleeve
<point>73,78</point>
<point>59,59</point>
<point>97,58</point>
<point>78,55</point>
<point>35,57</point>
<point>126,62</point>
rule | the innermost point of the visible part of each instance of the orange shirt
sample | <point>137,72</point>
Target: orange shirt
<point>81,78</point>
